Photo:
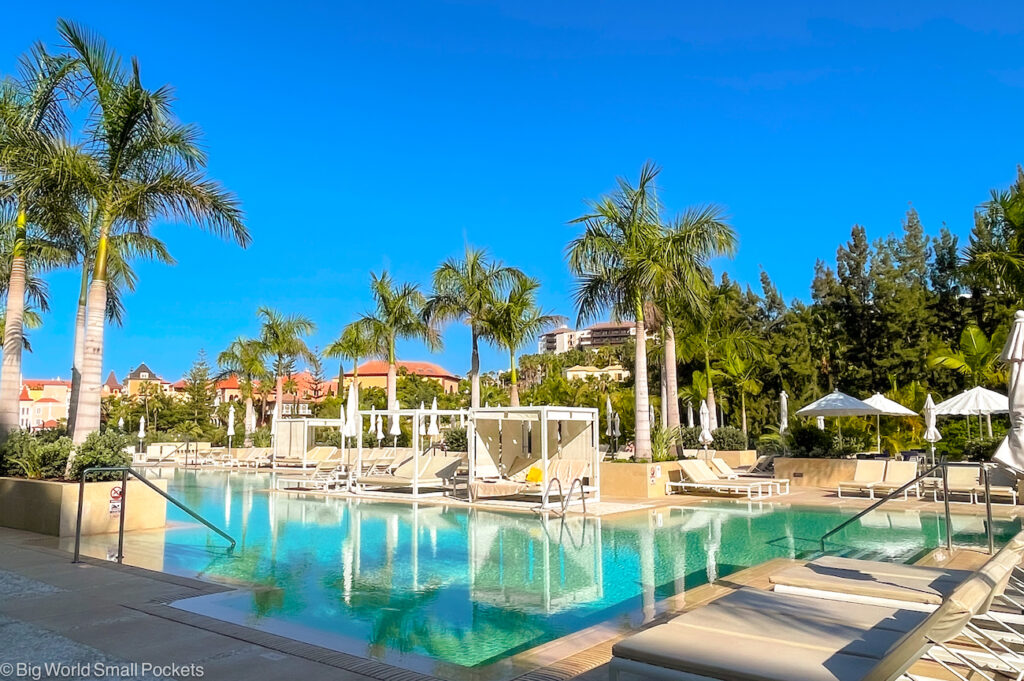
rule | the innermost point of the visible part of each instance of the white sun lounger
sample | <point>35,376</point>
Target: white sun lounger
<point>698,477</point>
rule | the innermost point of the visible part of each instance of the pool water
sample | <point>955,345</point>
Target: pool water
<point>420,584</point>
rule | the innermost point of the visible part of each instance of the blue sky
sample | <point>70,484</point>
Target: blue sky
<point>381,134</point>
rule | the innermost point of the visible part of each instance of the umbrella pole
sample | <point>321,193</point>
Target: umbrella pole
<point>878,432</point>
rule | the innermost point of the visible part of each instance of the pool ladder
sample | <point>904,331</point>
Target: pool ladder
<point>125,471</point>
<point>566,498</point>
<point>942,466</point>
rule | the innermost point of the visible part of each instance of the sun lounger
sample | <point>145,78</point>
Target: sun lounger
<point>327,475</point>
<point>897,474</point>
<point>763,466</point>
<point>752,635</point>
<point>698,477</point>
<point>869,472</point>
<point>510,484</point>
<point>431,470</point>
<point>312,458</point>
<point>254,457</point>
<point>724,470</point>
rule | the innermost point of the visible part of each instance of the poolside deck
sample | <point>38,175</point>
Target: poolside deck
<point>51,610</point>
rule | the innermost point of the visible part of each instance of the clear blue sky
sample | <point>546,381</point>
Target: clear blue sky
<point>387,134</point>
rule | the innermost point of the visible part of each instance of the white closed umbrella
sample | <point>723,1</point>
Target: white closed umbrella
<point>608,414</point>
<point>783,412</point>
<point>820,422</point>
<point>689,415</point>
<point>931,433</point>
<point>886,407</point>
<point>705,437</point>
<point>432,429</point>
<point>396,429</point>
<point>142,427</point>
<point>120,424</point>
<point>231,420</point>
<point>617,431</point>
<point>380,428</point>
<point>1011,451</point>
<point>352,410</point>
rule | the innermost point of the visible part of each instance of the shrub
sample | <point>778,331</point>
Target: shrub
<point>663,444</point>
<point>772,444</point>
<point>689,438</point>
<point>981,449</point>
<point>808,441</point>
<point>456,440</point>
<point>261,437</point>
<point>728,438</point>
<point>35,456</point>
<point>109,448</point>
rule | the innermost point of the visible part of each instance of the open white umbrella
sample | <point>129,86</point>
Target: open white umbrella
<point>705,437</point>
<point>977,401</point>
<point>931,433</point>
<point>837,404</point>
<point>886,407</point>
<point>783,412</point>
<point>432,429</point>
<point>1011,451</point>
<point>689,415</point>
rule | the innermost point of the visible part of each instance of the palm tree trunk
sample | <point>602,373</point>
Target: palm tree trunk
<point>88,417</point>
<point>672,381</point>
<point>474,373</point>
<point>642,399</point>
<point>392,383</point>
<point>743,410</point>
<point>513,380</point>
<point>10,376</point>
<point>249,418</point>
<point>279,388</point>
<point>79,351</point>
<point>663,407</point>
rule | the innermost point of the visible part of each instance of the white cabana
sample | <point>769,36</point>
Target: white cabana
<point>886,407</point>
<point>504,441</point>
<point>1011,451</point>
<point>978,402</point>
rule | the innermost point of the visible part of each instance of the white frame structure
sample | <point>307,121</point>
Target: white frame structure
<point>544,417</point>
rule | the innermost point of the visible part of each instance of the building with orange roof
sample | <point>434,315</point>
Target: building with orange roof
<point>42,402</point>
<point>374,374</point>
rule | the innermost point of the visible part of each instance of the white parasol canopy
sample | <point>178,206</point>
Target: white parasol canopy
<point>617,431</point>
<point>783,412</point>
<point>689,415</point>
<point>432,429</point>
<point>142,427</point>
<point>931,433</point>
<point>1011,451</point>
<point>231,421</point>
<point>705,437</point>
<point>974,402</point>
<point>886,407</point>
<point>380,427</point>
<point>838,404</point>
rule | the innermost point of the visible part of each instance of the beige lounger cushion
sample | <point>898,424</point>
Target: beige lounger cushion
<point>882,568</point>
<point>859,583</point>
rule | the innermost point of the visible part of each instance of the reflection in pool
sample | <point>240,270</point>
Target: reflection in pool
<point>422,584</point>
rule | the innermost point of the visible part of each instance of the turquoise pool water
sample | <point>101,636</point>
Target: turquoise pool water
<point>424,584</point>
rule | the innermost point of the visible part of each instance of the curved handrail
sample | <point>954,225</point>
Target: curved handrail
<point>125,471</point>
<point>583,495</point>
<point>940,465</point>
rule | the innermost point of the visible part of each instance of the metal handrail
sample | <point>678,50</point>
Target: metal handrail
<point>568,497</point>
<point>125,471</point>
<point>945,486</point>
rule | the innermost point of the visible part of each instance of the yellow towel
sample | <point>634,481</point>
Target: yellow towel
<point>534,475</point>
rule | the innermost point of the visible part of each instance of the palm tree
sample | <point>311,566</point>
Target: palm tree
<point>281,336</point>
<point>354,343</point>
<point>398,314</point>
<point>741,372</point>
<point>977,356</point>
<point>464,290</point>
<point>695,237</point>
<point>145,167</point>
<point>33,158</point>
<point>514,321</point>
<point>616,262</point>
<point>996,252</point>
<point>247,359</point>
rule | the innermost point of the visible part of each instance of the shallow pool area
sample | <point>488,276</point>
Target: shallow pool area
<point>425,584</point>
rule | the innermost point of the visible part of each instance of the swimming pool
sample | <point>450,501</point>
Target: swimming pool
<point>419,585</point>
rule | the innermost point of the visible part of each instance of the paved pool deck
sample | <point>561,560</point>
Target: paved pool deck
<point>98,612</point>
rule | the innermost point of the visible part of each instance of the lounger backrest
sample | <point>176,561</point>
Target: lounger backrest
<point>567,470</point>
<point>869,470</point>
<point>697,471</point>
<point>963,476</point>
<point>900,472</point>
<point>945,623</point>
<point>722,467</point>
